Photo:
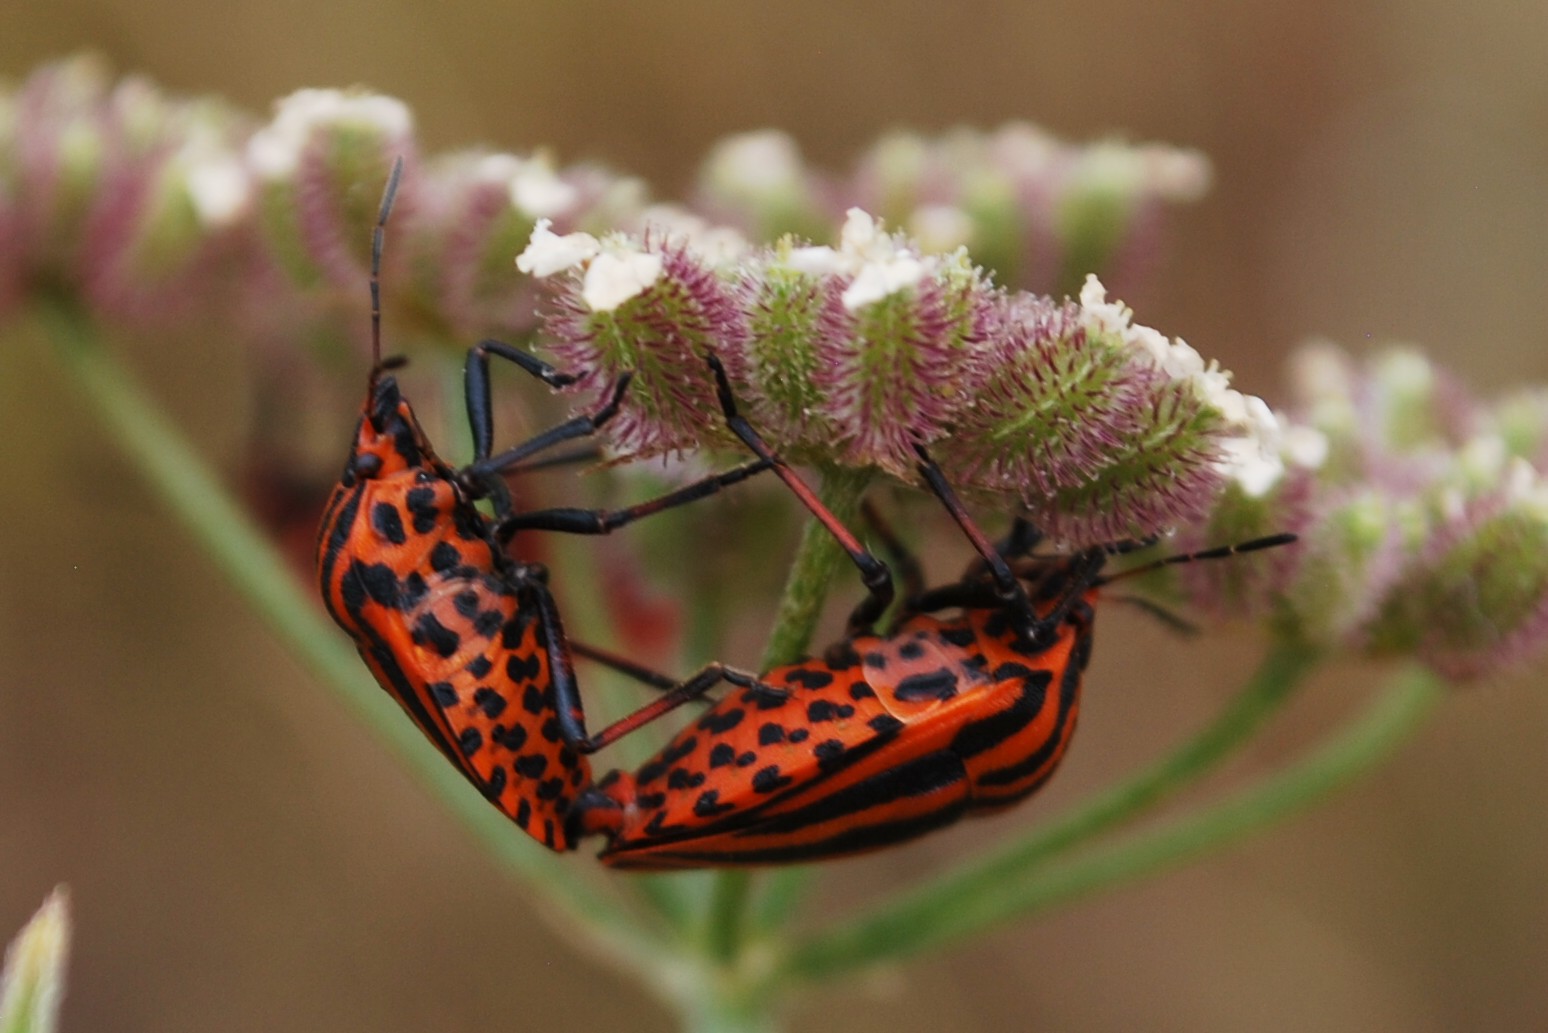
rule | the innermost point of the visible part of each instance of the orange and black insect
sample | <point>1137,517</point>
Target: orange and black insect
<point>466,638</point>
<point>885,738</point>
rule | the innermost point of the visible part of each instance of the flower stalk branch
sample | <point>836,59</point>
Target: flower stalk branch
<point>930,920</point>
<point>191,492</point>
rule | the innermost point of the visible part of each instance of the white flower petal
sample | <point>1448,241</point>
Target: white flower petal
<point>1305,446</point>
<point>548,253</point>
<point>819,260</point>
<point>878,280</point>
<point>614,278</point>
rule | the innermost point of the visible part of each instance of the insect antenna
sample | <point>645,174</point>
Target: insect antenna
<point>378,238</point>
<point>1219,552</point>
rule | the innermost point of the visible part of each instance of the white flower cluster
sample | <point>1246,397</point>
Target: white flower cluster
<point>1256,453</point>
<point>879,263</point>
<point>615,269</point>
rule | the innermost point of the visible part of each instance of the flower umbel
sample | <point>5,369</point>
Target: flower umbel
<point>863,354</point>
<point>1423,523</point>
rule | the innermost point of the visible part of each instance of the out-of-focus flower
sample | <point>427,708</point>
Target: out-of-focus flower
<point>477,209</point>
<point>161,239</point>
<point>320,165</point>
<point>1423,524</point>
<point>1039,213</point>
<point>759,183</point>
<point>56,160</point>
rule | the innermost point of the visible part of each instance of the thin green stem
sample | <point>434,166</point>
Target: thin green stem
<point>185,484</point>
<point>1355,749</point>
<point>1271,686</point>
<point>716,1013</point>
<point>936,902</point>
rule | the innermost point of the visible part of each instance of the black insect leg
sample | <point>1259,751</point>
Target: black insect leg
<point>1008,589</point>
<point>483,476</point>
<point>476,387</point>
<point>873,572</point>
<point>899,556</point>
<point>604,521</point>
<point>567,702</point>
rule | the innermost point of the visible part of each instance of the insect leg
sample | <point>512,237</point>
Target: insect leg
<point>873,572</point>
<point>604,521</point>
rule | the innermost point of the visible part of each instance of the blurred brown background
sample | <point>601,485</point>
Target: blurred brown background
<point>244,858</point>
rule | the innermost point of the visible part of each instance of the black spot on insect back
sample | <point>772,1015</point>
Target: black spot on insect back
<point>512,738</point>
<point>531,765</point>
<point>708,805</point>
<point>718,723</point>
<point>810,678</point>
<point>828,753</point>
<point>377,581</point>
<point>917,688</point>
<point>388,523</point>
<point>430,632</point>
<point>521,667</point>
<point>421,506</point>
<point>959,637</point>
<point>488,623</point>
<point>489,701</point>
<point>769,780</point>
<point>444,557</point>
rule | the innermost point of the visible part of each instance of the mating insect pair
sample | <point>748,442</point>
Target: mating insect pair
<point>887,737</point>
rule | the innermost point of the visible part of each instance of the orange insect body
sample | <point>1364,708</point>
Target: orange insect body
<point>888,739</point>
<point>460,635</point>
<point>465,638</point>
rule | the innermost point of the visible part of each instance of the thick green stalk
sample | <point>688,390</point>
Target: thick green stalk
<point>896,932</point>
<point>179,476</point>
<point>730,1001</point>
<point>818,559</point>
<point>726,917</point>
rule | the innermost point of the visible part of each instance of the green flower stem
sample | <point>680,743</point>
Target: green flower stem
<point>260,574</point>
<point>782,890</point>
<point>727,923</point>
<point>727,915</point>
<point>728,1013</point>
<point>937,902</point>
<point>818,559</point>
<point>1275,681</point>
<point>896,932</point>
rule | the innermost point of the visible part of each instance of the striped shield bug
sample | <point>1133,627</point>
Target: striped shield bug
<point>887,736</point>
<point>465,637</point>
